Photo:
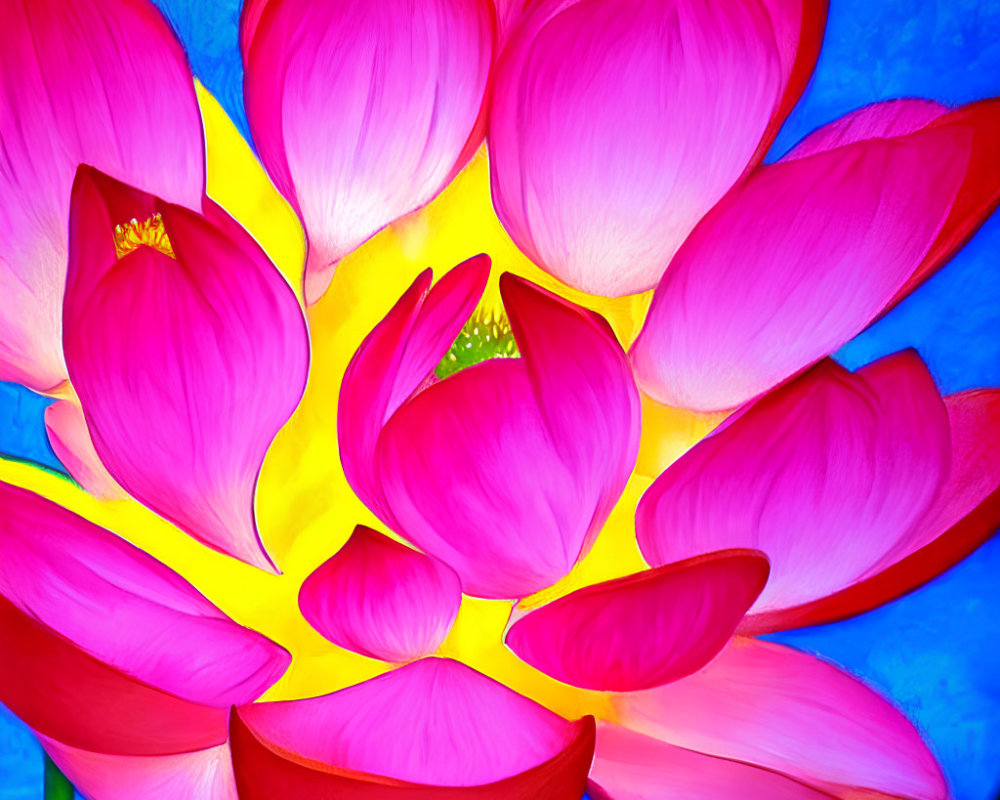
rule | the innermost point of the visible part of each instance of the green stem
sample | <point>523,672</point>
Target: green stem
<point>57,787</point>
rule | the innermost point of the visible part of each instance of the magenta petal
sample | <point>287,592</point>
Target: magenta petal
<point>71,442</point>
<point>363,112</point>
<point>823,244</point>
<point>768,705</point>
<point>508,469</point>
<point>643,630</point>
<point>183,409</point>
<point>382,599</point>
<point>616,125</point>
<point>394,360</point>
<point>102,82</point>
<point>630,766</point>
<point>825,475</point>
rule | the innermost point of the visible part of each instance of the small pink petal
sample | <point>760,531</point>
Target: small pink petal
<point>643,630</point>
<point>103,82</point>
<point>510,491</point>
<point>250,13</point>
<point>394,360</point>
<point>409,81</point>
<point>203,774</point>
<point>768,705</point>
<point>825,475</point>
<point>616,125</point>
<point>382,599</point>
<point>71,442</point>
<point>433,722</point>
<point>630,766</point>
<point>183,408</point>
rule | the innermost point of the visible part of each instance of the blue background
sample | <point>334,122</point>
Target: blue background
<point>933,651</point>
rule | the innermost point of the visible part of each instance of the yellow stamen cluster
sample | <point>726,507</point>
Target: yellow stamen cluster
<point>131,235</point>
<point>486,335</point>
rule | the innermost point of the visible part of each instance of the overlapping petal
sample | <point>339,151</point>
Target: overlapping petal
<point>362,112</point>
<point>382,599</point>
<point>810,250</point>
<point>103,82</point>
<point>615,126</point>
<point>70,440</point>
<point>643,630</point>
<point>432,729</point>
<point>183,405</point>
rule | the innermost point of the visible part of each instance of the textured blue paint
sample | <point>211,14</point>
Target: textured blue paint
<point>22,430</point>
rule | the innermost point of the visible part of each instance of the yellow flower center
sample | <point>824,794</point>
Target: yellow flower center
<point>131,235</point>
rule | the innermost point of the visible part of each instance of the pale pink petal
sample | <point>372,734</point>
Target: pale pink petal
<point>103,82</point>
<point>394,360</point>
<point>363,112</point>
<point>434,721</point>
<point>382,599</point>
<point>71,442</point>
<point>616,125</point>
<point>643,630</point>
<point>826,475</point>
<point>630,766</point>
<point>201,775</point>
<point>126,609</point>
<point>183,408</point>
<point>794,263</point>
<point>769,705</point>
<point>511,492</point>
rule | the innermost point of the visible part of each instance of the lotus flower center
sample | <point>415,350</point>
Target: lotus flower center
<point>486,335</point>
<point>131,235</point>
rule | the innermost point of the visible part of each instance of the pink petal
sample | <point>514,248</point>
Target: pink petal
<point>432,723</point>
<point>71,442</point>
<point>183,409</point>
<point>409,81</point>
<point>381,599</point>
<point>250,14</point>
<point>630,766</point>
<point>643,630</point>
<point>510,492</point>
<point>203,774</point>
<point>964,514</point>
<point>822,243</point>
<point>825,475</point>
<point>103,82</point>
<point>124,608</point>
<point>616,125</point>
<point>394,360</point>
<point>769,705</point>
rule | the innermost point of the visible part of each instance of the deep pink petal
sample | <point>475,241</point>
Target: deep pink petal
<point>250,14</point>
<point>183,408</point>
<point>102,82</point>
<point>825,475</point>
<point>203,774</point>
<point>794,263</point>
<point>616,125</point>
<point>126,609</point>
<point>434,721</point>
<point>382,599</point>
<point>507,470</point>
<point>769,705</point>
<point>630,766</point>
<point>643,630</point>
<point>71,442</point>
<point>394,360</point>
<point>363,112</point>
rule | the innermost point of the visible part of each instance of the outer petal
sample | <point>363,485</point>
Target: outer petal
<point>769,705</point>
<point>643,630</point>
<point>103,82</point>
<point>821,244</point>
<point>616,125</point>
<point>409,81</point>
<point>394,360</point>
<point>71,442</point>
<point>630,766</point>
<point>432,729</point>
<point>826,475</point>
<point>379,598</point>
<point>183,409</point>
<point>506,470</point>
<point>121,606</point>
